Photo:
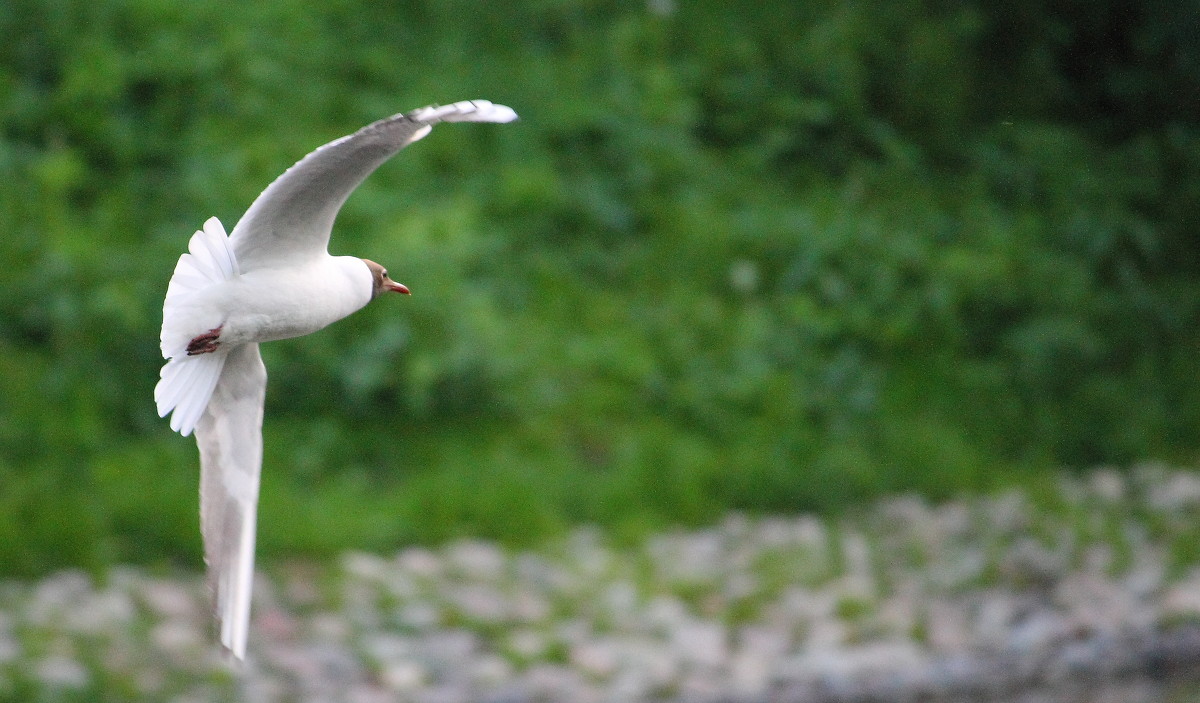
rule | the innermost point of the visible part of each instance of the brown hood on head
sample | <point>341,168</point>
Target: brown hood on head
<point>380,281</point>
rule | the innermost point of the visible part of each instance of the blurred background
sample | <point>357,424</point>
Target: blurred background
<point>768,257</point>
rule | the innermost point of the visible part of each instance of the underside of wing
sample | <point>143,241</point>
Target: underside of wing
<point>291,220</point>
<point>229,435</point>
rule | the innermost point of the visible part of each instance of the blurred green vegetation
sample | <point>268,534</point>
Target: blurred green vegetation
<point>768,256</point>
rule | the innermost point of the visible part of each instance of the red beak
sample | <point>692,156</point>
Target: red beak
<point>398,288</point>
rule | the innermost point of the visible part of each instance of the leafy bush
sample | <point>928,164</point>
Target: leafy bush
<point>774,256</point>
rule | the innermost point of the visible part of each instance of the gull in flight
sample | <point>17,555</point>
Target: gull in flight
<point>272,278</point>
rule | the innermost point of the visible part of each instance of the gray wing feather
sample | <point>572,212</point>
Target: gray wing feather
<point>229,435</point>
<point>291,220</point>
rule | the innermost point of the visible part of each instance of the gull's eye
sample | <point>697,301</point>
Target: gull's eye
<point>384,273</point>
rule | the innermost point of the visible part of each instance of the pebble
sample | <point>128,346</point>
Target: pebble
<point>992,597</point>
<point>61,672</point>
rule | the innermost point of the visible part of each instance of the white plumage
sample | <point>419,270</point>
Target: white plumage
<point>271,278</point>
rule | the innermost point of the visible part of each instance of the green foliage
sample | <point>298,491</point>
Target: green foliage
<point>770,256</point>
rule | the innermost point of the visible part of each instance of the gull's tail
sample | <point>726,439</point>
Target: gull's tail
<point>187,382</point>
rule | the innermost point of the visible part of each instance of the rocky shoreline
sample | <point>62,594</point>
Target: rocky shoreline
<point>1088,591</point>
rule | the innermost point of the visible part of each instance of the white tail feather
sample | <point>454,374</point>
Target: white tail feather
<point>187,382</point>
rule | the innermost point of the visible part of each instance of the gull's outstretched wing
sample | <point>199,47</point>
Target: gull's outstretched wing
<point>229,435</point>
<point>291,220</point>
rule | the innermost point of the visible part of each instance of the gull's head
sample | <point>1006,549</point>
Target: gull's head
<point>380,283</point>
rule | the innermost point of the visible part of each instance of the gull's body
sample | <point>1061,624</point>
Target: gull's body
<point>267,304</point>
<point>271,278</point>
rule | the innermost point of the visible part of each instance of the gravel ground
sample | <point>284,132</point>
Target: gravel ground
<point>1087,592</point>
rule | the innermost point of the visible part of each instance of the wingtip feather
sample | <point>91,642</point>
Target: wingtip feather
<point>485,111</point>
<point>465,111</point>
